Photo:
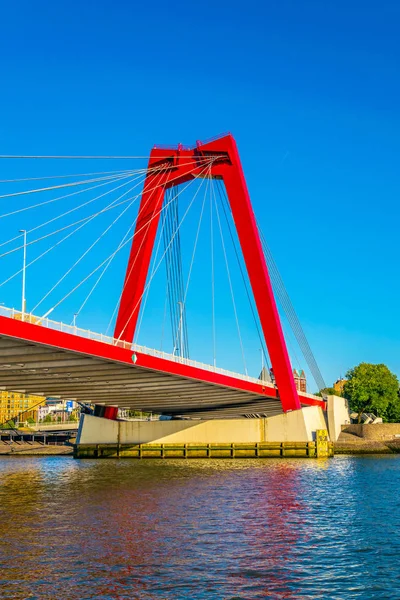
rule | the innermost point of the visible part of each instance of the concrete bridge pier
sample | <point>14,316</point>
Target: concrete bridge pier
<point>298,433</point>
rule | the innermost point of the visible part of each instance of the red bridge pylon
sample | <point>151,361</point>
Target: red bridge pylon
<point>169,167</point>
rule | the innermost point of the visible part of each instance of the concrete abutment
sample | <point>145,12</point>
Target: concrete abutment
<point>301,433</point>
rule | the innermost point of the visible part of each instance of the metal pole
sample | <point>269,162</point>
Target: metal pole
<point>262,360</point>
<point>181,328</point>
<point>23,277</point>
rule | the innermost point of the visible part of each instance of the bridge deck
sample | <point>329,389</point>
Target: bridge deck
<point>41,360</point>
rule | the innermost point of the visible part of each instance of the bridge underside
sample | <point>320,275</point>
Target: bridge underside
<point>37,360</point>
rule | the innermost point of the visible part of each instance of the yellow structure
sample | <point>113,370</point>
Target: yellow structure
<point>19,406</point>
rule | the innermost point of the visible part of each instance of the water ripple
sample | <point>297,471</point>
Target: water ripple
<point>211,529</point>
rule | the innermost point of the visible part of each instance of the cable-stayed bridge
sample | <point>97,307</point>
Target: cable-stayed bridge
<point>47,237</point>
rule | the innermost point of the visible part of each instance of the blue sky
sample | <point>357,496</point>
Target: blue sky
<point>310,91</point>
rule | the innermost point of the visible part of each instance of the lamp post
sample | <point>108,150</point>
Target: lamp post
<point>23,277</point>
<point>180,327</point>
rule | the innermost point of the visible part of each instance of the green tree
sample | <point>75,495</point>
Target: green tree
<point>329,391</point>
<point>392,414</point>
<point>372,388</point>
<point>48,419</point>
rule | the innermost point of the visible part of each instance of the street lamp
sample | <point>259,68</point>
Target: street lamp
<point>262,359</point>
<point>180,327</point>
<point>23,276</point>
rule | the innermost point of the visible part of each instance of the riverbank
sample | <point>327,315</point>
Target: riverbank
<point>350,447</point>
<point>361,446</point>
<point>369,439</point>
<point>19,449</point>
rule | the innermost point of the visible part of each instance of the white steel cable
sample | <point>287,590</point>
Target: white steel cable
<point>165,251</point>
<point>88,249</point>
<point>134,262</point>
<point>193,254</point>
<point>57,187</point>
<point>230,283</point>
<point>97,268</point>
<point>62,197</point>
<point>72,157</point>
<point>167,284</point>
<point>143,307</point>
<point>139,177</point>
<point>157,168</point>
<point>147,225</point>
<point>111,179</point>
<point>108,264</point>
<point>127,276</point>
<point>101,264</point>
<point>103,272</point>
<point>109,258</point>
<point>121,172</point>
<point>51,233</point>
<point>214,342</point>
<point>51,248</point>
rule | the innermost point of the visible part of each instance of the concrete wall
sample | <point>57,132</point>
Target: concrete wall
<point>296,426</point>
<point>378,432</point>
<point>338,415</point>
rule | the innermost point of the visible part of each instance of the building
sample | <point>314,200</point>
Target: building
<point>300,380</point>
<point>58,411</point>
<point>339,385</point>
<point>19,407</point>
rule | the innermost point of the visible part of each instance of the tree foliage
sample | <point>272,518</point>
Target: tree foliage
<point>7,425</point>
<point>329,391</point>
<point>372,388</point>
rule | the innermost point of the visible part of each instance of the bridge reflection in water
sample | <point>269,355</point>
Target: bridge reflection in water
<point>198,529</point>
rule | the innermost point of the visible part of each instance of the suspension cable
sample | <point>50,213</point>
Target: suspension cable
<point>88,249</point>
<point>51,233</point>
<point>229,280</point>
<point>57,187</point>
<point>226,209</point>
<point>99,267</point>
<point>292,316</point>
<point>51,248</point>
<point>111,258</point>
<point>180,224</point>
<point>152,191</point>
<point>143,308</point>
<point>121,172</point>
<point>193,254</point>
<point>169,182</point>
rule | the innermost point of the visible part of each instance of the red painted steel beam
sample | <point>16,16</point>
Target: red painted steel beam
<point>181,165</point>
<point>59,340</point>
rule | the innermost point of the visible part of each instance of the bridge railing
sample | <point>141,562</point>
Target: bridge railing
<point>197,364</point>
<point>106,339</point>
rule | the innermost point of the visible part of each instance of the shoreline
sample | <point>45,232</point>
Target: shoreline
<point>350,448</point>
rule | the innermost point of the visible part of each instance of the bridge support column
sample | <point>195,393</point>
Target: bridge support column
<point>289,429</point>
<point>218,159</point>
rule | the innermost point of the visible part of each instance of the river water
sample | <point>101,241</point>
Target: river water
<point>200,529</point>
